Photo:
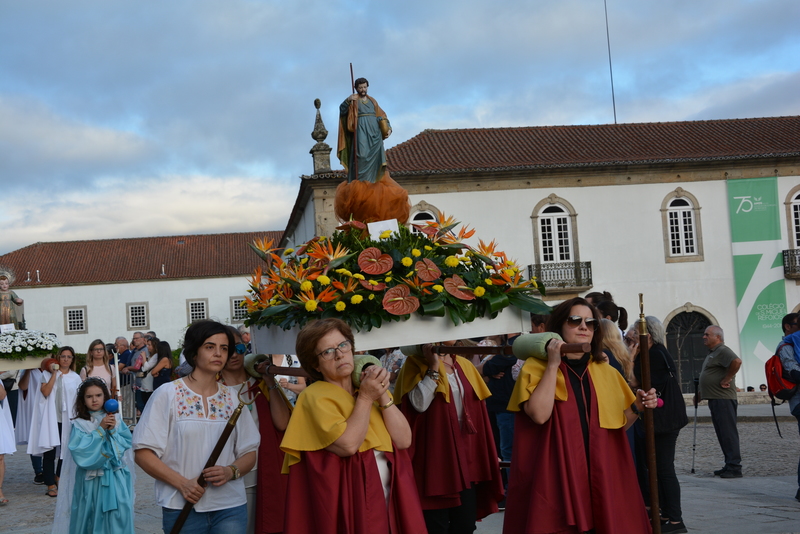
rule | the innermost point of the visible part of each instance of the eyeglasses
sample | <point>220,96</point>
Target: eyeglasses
<point>344,347</point>
<point>630,340</point>
<point>99,349</point>
<point>576,320</point>
<point>240,348</point>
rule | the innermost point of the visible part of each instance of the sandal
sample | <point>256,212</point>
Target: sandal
<point>52,491</point>
<point>3,501</point>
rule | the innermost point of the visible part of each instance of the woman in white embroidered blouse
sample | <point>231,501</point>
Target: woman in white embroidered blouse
<point>180,427</point>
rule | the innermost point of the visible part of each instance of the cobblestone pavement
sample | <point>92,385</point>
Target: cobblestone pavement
<point>764,454</point>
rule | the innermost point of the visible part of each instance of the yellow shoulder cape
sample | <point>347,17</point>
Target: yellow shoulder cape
<point>414,370</point>
<point>320,418</point>
<point>613,394</point>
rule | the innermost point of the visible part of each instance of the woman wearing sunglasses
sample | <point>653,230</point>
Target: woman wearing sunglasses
<point>346,446</point>
<point>572,470</point>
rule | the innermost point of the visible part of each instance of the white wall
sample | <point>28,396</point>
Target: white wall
<point>107,311</point>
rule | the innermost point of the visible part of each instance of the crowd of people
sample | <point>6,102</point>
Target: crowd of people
<point>414,444</point>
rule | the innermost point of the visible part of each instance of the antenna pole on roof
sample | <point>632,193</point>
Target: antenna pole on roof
<point>610,70</point>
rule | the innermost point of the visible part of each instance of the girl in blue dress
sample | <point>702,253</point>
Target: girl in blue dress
<point>102,499</point>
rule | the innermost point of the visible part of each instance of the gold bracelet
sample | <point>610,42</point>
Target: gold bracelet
<point>388,404</point>
<point>235,471</point>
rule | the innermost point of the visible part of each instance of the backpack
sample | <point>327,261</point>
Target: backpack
<point>778,386</point>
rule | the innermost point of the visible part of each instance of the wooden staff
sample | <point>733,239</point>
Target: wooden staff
<point>649,434</point>
<point>566,348</point>
<point>212,461</point>
<point>355,131</point>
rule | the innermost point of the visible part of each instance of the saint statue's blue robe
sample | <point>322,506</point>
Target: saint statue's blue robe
<point>102,500</point>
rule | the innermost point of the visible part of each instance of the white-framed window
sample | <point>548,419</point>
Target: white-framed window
<point>238,311</point>
<point>681,228</point>
<point>138,315</point>
<point>555,236</point>
<point>196,310</point>
<point>75,320</point>
<point>680,217</point>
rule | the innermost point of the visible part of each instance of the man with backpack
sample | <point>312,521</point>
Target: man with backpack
<point>791,369</point>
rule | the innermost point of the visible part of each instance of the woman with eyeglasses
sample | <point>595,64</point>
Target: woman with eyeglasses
<point>453,450</point>
<point>179,429</point>
<point>346,446</point>
<point>53,412</point>
<point>97,365</point>
<point>572,470</point>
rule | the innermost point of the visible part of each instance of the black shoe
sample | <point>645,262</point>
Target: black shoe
<point>797,495</point>
<point>718,472</point>
<point>731,474</point>
<point>674,528</point>
<point>38,479</point>
<point>501,505</point>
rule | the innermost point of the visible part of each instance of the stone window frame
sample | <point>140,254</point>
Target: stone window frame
<point>555,200</point>
<point>189,302</point>
<point>132,327</point>
<point>422,207</point>
<point>84,318</point>
<point>234,310</point>
<point>698,227</point>
<point>792,204</point>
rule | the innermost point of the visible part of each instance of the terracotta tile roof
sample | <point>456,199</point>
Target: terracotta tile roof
<point>442,151</point>
<point>135,259</point>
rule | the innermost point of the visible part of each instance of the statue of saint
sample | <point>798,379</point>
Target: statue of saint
<point>369,194</point>
<point>8,299</point>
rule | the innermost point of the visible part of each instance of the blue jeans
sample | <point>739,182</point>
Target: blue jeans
<point>225,521</point>
<point>505,423</point>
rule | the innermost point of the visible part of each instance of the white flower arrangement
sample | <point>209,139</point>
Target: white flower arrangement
<point>21,344</point>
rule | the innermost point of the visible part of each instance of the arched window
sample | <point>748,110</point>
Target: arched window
<point>422,212</point>
<point>555,239</point>
<point>682,233</point>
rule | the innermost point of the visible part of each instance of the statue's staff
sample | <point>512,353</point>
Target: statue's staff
<point>649,434</point>
<point>355,130</point>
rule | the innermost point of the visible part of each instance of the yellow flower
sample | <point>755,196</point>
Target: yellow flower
<point>373,282</point>
<point>415,252</point>
<point>387,279</point>
<point>303,261</point>
<point>358,276</point>
<point>323,280</point>
<point>372,296</point>
<point>488,281</point>
<point>407,261</point>
<point>509,272</point>
<point>356,299</point>
<point>340,306</point>
<point>311,305</point>
<point>451,261</point>
<point>305,286</point>
<point>344,271</point>
<point>385,234</point>
<point>428,247</point>
<point>288,251</point>
<point>479,291</point>
<point>438,288</point>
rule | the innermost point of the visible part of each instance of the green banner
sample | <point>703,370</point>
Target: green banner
<point>758,272</point>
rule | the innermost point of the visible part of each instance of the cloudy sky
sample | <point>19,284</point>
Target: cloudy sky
<point>127,119</point>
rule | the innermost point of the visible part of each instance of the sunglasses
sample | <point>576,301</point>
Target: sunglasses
<point>576,320</point>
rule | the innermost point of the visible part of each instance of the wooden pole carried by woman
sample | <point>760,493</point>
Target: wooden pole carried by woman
<point>650,445</point>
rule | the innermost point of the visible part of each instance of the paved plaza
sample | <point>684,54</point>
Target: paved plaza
<point>762,502</point>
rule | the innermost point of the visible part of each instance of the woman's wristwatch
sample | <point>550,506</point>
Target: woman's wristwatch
<point>235,470</point>
<point>433,374</point>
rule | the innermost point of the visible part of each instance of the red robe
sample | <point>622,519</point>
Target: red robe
<point>551,488</point>
<point>271,488</point>
<point>329,494</point>
<point>452,458</point>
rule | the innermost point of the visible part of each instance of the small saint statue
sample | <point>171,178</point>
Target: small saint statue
<point>8,299</point>
<point>369,194</point>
